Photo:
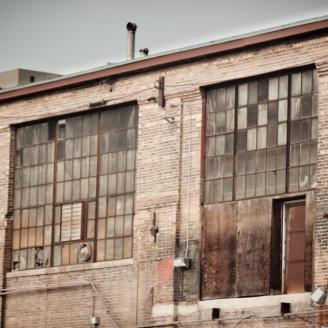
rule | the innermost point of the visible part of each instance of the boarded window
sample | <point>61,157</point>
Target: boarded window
<point>71,221</point>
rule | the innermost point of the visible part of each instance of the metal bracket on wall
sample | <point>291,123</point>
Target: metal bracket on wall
<point>159,85</point>
<point>154,228</point>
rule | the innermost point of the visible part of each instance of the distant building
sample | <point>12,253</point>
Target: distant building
<point>18,76</point>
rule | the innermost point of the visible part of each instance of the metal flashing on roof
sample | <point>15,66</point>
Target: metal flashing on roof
<point>171,57</point>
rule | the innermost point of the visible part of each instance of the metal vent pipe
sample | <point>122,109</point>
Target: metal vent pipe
<point>131,27</point>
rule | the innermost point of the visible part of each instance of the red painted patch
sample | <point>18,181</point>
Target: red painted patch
<point>165,270</point>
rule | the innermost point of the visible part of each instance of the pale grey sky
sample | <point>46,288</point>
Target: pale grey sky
<point>65,36</point>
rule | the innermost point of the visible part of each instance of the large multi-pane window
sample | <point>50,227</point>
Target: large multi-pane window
<point>261,137</point>
<point>74,186</point>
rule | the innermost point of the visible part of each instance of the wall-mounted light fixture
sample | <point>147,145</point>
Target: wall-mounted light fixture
<point>319,296</point>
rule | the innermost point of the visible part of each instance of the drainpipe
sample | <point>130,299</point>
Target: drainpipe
<point>131,27</point>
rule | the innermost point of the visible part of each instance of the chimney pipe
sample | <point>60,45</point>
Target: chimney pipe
<point>131,27</point>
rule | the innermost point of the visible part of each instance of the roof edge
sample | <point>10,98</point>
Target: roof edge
<point>171,58</point>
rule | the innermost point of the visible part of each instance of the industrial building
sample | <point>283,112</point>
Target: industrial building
<point>182,189</point>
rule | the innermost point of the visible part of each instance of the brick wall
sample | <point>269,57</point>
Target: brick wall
<point>146,289</point>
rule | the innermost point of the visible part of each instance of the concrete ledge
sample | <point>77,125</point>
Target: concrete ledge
<point>231,304</point>
<point>69,268</point>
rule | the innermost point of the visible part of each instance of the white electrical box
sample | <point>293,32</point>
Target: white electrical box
<point>95,320</point>
<point>182,262</point>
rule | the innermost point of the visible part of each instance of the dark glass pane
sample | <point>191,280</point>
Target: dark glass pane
<point>221,99</point>
<point>304,178</point>
<point>314,129</point>
<point>306,82</point>
<point>241,140</point>
<point>230,120</point>
<point>252,93</point>
<point>61,129</point>
<point>210,146</point>
<point>240,163</point>
<point>313,152</point>
<point>220,122</point>
<point>126,118</point>
<point>77,126</point>
<point>293,180</point>
<point>211,100</point>
<point>261,137</point>
<point>270,183</point>
<point>305,130</point>
<point>252,116</point>
<point>260,184</point>
<point>76,169</point>
<point>228,149</point>
<point>296,84</point>
<point>101,228</point>
<point>128,204</point>
<point>306,106</point>
<point>240,184</point>
<point>227,162</point>
<point>263,90</point>
<point>295,132</point>
<point>304,153</point>
<point>272,112</point>
<point>230,97</point>
<point>111,210</point>
<point>250,185</point>
<point>210,124</point>
<point>260,160</point>
<point>43,154</point>
<point>227,189</point>
<point>61,150</point>
<point>131,139</point>
<point>272,136</point>
<point>118,250</point>
<point>219,145</point>
<point>271,159</point>
<point>103,185</point>
<point>250,165</point>
<point>295,108</point>
<point>69,149</point>
<point>281,157</point>
<point>68,170</point>
<point>104,143</point>
<point>294,155</point>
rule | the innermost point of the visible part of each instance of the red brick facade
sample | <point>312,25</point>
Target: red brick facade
<point>146,290</point>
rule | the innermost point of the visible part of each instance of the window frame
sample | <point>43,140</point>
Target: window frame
<point>235,83</point>
<point>54,121</point>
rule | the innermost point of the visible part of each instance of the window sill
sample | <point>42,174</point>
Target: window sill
<point>256,302</point>
<point>69,268</point>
